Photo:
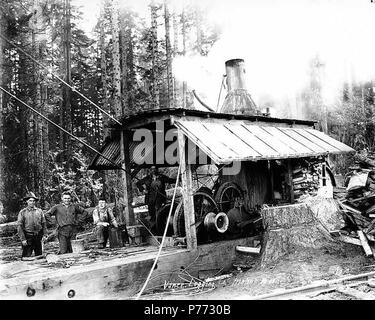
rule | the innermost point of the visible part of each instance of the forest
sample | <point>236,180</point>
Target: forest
<point>124,66</point>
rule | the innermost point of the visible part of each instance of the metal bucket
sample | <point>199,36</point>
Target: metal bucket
<point>78,245</point>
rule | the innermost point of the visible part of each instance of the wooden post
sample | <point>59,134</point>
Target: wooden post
<point>324,178</point>
<point>187,192</point>
<point>290,180</point>
<point>272,185</point>
<point>127,182</point>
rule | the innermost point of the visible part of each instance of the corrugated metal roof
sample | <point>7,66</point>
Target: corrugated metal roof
<point>227,141</point>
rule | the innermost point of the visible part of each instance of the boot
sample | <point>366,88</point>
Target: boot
<point>101,246</point>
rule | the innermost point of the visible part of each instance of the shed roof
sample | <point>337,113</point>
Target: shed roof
<point>225,140</point>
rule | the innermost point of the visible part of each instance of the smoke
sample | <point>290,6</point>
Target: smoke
<point>278,39</point>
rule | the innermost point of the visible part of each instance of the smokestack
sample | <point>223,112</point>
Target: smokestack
<point>238,99</point>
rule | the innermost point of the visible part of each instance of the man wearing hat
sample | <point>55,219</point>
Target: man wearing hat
<point>155,192</point>
<point>32,227</point>
<point>103,218</point>
<point>69,217</point>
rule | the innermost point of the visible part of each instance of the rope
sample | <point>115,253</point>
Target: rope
<point>164,235</point>
<point>57,77</point>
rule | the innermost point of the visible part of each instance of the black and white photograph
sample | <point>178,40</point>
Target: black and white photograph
<point>187,151</point>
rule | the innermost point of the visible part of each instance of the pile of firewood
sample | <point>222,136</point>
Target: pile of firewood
<point>306,180</point>
<point>357,203</point>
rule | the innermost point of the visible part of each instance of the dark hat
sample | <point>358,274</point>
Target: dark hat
<point>102,197</point>
<point>30,195</point>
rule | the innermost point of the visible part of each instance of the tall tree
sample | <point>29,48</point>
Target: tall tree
<point>103,66</point>
<point>66,113</point>
<point>154,55</point>
<point>168,49</point>
<point>184,39</point>
<point>116,61</point>
<point>2,154</point>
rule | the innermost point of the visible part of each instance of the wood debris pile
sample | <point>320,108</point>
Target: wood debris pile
<point>357,203</point>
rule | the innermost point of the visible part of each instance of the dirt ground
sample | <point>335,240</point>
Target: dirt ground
<point>300,268</point>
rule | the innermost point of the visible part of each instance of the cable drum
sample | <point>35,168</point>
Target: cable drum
<point>216,222</point>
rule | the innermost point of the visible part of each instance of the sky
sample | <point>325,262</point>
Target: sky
<point>277,39</point>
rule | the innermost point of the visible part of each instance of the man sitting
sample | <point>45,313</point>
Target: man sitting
<point>103,218</point>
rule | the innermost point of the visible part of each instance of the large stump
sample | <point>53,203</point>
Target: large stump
<point>288,229</point>
<point>327,211</point>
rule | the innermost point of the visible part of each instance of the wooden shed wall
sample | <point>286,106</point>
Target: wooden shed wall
<point>254,180</point>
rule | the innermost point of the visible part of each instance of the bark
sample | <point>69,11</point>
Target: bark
<point>103,67</point>
<point>170,100</point>
<point>175,51</point>
<point>198,24</point>
<point>154,44</point>
<point>66,117</point>
<point>116,60</point>
<point>2,156</point>
<point>289,229</point>
<point>124,67</point>
<point>184,32</point>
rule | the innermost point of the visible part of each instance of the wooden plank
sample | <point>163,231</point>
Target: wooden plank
<point>120,276</point>
<point>187,192</point>
<point>210,139</point>
<point>337,144</point>
<point>252,140</point>
<point>243,249</point>
<point>281,135</point>
<point>364,243</point>
<point>224,134</point>
<point>295,134</point>
<point>270,140</point>
<point>349,208</point>
<point>349,240</point>
<point>317,141</point>
<point>360,295</point>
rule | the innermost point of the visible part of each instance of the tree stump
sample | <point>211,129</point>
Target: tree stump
<point>288,229</point>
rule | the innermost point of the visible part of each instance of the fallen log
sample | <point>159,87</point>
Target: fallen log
<point>8,229</point>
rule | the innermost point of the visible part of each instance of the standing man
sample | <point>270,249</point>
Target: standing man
<point>155,192</point>
<point>32,227</point>
<point>69,217</point>
<point>103,219</point>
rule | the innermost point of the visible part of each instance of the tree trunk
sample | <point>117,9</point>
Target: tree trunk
<point>154,53</point>
<point>116,61</point>
<point>124,67</point>
<point>170,102</point>
<point>176,96</point>
<point>66,119</point>
<point>184,31</point>
<point>289,229</point>
<point>103,67</point>
<point>198,24</point>
<point>2,156</point>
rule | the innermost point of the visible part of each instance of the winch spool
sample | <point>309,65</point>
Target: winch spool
<point>216,222</point>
